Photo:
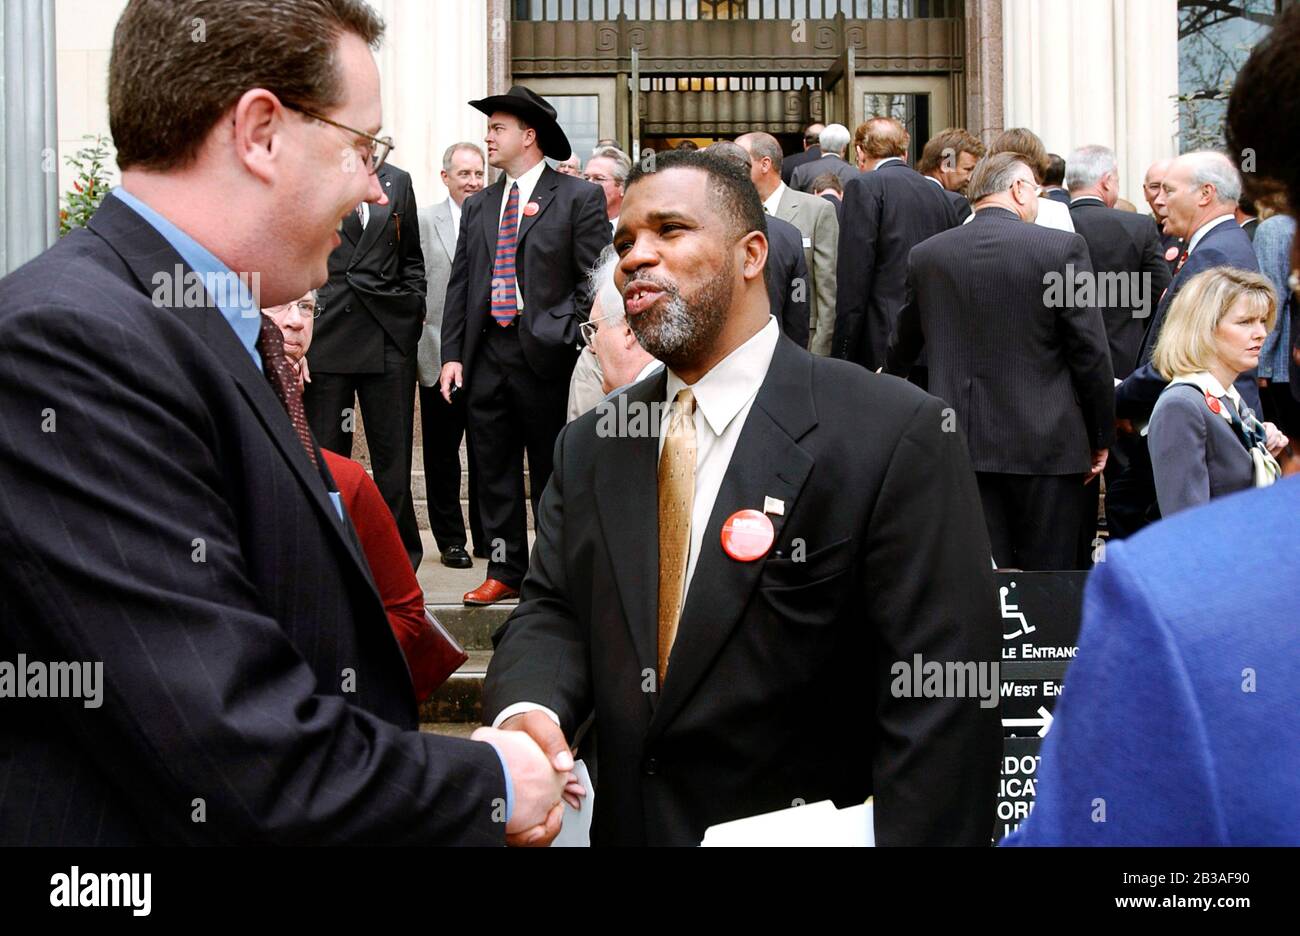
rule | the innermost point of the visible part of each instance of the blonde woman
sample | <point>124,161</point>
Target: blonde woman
<point>1205,442</point>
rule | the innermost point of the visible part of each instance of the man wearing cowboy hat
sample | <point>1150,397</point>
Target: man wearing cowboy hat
<point>517,293</point>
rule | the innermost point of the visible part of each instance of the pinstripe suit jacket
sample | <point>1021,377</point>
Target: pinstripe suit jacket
<point>160,516</point>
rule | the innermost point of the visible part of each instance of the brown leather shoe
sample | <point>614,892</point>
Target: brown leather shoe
<point>490,592</point>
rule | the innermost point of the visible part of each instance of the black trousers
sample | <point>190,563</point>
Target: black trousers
<point>511,410</point>
<point>1131,490</point>
<point>443,427</point>
<point>1281,408</point>
<point>1035,521</point>
<point>387,404</point>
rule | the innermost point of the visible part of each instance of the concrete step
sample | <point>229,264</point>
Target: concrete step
<point>472,627</point>
<point>450,729</point>
<point>460,699</point>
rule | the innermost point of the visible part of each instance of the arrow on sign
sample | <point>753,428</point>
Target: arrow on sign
<point>1043,723</point>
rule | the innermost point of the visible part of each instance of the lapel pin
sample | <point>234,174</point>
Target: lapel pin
<point>774,506</point>
<point>1171,254</point>
<point>747,535</point>
<point>531,208</point>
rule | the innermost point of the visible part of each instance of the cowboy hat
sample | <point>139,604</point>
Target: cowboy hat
<point>533,109</point>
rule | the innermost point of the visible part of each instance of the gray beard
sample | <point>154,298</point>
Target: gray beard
<point>681,332</point>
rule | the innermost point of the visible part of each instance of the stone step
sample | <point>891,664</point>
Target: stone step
<point>450,729</point>
<point>460,699</point>
<point>472,627</point>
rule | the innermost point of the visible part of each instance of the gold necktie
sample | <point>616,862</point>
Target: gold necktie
<point>676,496</point>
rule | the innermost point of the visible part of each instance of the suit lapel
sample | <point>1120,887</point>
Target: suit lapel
<point>627,498</point>
<point>492,199</point>
<point>768,461</point>
<point>788,208</point>
<point>379,215</point>
<point>147,253</point>
<point>543,195</point>
<point>446,231</point>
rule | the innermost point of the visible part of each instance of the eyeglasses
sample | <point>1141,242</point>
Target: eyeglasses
<point>1038,189</point>
<point>307,309</point>
<point>589,329</point>
<point>379,147</point>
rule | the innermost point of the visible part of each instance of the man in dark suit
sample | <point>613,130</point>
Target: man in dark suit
<point>1022,362</point>
<point>788,282</point>
<point>948,159</point>
<point>364,350</point>
<point>1125,252</point>
<point>811,150</point>
<point>517,293</point>
<point>1130,275</point>
<point>166,510</point>
<point>1199,198</point>
<point>700,651</point>
<point>835,140</point>
<point>1171,246</point>
<point>443,423</point>
<point>887,212</point>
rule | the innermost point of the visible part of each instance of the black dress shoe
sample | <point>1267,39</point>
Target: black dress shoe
<point>455,557</point>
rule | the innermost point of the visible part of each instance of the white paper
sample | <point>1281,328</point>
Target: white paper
<point>576,831</point>
<point>814,824</point>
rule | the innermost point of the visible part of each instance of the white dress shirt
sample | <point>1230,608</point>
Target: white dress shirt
<point>774,200</point>
<point>723,399</point>
<point>527,182</point>
<point>455,215</point>
<point>1206,228</point>
<point>1053,214</point>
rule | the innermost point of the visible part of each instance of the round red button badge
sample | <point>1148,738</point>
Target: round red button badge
<point>747,535</point>
<point>1171,254</point>
<point>531,208</point>
<point>1213,403</point>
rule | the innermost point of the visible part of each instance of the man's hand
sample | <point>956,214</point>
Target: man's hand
<point>452,373</point>
<point>1125,427</point>
<point>1098,465</point>
<point>537,785</point>
<point>539,726</point>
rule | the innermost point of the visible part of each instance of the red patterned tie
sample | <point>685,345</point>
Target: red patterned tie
<point>284,380</point>
<point>505,305</point>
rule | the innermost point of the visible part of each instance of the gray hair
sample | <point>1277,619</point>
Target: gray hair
<point>456,148</point>
<point>622,162</point>
<point>764,145</point>
<point>835,139</point>
<point>994,175</point>
<point>600,282</point>
<point>1087,165</point>
<point>1210,167</point>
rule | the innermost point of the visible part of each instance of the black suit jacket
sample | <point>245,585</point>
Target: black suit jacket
<point>886,214</point>
<point>788,283</point>
<point>557,246</point>
<point>790,163</point>
<point>1031,384</point>
<point>1226,244</point>
<point>376,286</point>
<point>779,683</point>
<point>174,529</point>
<point>1127,245</point>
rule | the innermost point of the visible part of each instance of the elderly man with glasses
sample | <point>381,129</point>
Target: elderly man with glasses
<point>611,356</point>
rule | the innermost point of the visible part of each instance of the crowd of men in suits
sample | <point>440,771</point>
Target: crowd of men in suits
<point>870,259</point>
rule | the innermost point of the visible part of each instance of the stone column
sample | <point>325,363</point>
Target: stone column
<point>29,174</point>
<point>1096,71</point>
<point>984,76</point>
<point>432,63</point>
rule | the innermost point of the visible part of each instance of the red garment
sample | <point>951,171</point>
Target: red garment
<point>390,566</point>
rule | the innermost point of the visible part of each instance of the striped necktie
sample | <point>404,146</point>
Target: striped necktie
<point>505,306</point>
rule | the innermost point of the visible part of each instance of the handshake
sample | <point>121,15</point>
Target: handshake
<point>541,770</point>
